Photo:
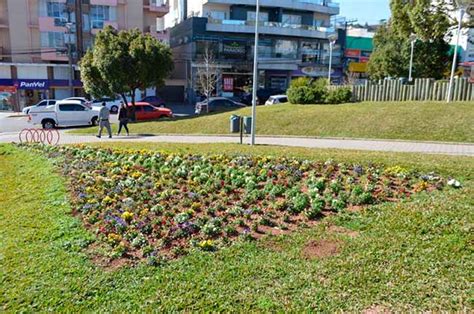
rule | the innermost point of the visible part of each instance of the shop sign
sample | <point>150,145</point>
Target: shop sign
<point>8,89</point>
<point>234,49</point>
<point>355,53</point>
<point>228,84</point>
<point>364,59</point>
<point>365,54</point>
<point>32,84</point>
<point>358,67</point>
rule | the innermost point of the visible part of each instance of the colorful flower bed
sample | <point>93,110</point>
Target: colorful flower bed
<point>148,205</point>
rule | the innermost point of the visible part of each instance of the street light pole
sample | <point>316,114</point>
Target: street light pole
<point>413,41</point>
<point>463,5</point>
<point>69,54</point>
<point>332,41</point>
<point>255,75</point>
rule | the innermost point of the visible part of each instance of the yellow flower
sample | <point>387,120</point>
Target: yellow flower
<point>136,175</point>
<point>107,200</point>
<point>127,216</point>
<point>114,238</point>
<point>206,244</point>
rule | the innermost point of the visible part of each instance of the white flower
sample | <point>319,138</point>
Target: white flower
<point>454,183</point>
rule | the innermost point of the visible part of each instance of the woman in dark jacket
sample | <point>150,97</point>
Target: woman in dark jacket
<point>123,118</point>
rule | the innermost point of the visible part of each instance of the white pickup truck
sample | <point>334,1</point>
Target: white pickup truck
<point>64,113</point>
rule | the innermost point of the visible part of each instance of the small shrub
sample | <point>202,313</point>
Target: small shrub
<point>338,96</point>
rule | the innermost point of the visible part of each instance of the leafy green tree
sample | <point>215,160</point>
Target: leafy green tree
<point>122,62</point>
<point>388,58</point>
<point>430,21</point>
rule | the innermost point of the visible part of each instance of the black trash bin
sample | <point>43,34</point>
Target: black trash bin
<point>235,123</point>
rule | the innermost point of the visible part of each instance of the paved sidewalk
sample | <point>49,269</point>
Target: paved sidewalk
<point>368,145</point>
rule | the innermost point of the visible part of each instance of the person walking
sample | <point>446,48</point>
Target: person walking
<point>104,115</point>
<point>123,118</point>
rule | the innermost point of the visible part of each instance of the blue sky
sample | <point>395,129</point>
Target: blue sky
<point>370,11</point>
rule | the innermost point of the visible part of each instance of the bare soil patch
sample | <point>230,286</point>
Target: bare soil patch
<point>321,249</point>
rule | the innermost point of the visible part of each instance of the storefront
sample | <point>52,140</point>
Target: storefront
<point>7,98</point>
<point>16,94</point>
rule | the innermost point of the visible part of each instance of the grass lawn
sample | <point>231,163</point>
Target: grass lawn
<point>424,121</point>
<point>412,255</point>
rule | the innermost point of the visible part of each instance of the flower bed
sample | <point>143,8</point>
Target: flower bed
<point>148,205</point>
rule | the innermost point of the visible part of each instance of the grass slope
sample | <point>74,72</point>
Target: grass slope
<point>414,255</point>
<point>428,121</point>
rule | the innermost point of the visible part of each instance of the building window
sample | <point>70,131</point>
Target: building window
<point>291,19</point>
<point>57,10</point>
<point>217,15</point>
<point>52,40</point>
<point>101,14</point>
<point>286,49</point>
<point>252,16</point>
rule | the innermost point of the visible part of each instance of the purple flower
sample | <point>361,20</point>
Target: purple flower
<point>359,170</point>
<point>119,221</point>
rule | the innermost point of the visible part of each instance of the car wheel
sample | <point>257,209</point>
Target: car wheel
<point>94,121</point>
<point>48,124</point>
<point>114,109</point>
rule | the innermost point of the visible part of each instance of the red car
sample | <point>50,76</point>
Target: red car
<point>144,111</point>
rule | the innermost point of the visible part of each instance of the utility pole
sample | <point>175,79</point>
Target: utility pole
<point>68,42</point>
<point>255,75</point>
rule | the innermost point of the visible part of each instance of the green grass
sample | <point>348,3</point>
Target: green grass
<point>424,121</point>
<point>414,255</point>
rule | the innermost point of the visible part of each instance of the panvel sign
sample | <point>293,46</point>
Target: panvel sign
<point>32,84</point>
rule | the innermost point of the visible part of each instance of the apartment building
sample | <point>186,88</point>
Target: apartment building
<point>293,41</point>
<point>38,37</point>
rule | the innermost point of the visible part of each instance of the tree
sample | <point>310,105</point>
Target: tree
<point>207,74</point>
<point>122,62</point>
<point>430,21</point>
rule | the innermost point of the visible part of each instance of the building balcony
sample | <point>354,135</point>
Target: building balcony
<point>53,54</point>
<point>163,36</point>
<point>51,24</point>
<point>269,28</point>
<point>158,7</point>
<point>95,28</point>
<point>112,3</point>
<point>321,6</point>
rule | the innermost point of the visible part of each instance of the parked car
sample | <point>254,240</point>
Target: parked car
<point>262,95</point>
<point>277,99</point>
<point>64,113</point>
<point>83,100</point>
<point>111,103</point>
<point>217,104</point>
<point>154,101</point>
<point>41,105</point>
<point>145,111</point>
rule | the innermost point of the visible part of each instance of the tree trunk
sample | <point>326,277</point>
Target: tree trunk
<point>133,116</point>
